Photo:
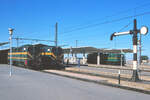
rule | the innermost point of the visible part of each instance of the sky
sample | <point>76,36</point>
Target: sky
<point>90,22</point>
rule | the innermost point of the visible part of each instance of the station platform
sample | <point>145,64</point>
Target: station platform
<point>106,78</point>
<point>26,84</point>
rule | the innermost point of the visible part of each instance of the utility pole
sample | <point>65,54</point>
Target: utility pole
<point>134,32</point>
<point>76,43</point>
<point>17,39</point>
<point>76,47</point>
<point>56,41</point>
<point>140,49</point>
<point>56,28</point>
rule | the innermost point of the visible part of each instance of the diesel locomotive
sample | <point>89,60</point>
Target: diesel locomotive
<point>37,57</point>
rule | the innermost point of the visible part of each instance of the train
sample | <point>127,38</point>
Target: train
<point>107,58</point>
<point>37,57</point>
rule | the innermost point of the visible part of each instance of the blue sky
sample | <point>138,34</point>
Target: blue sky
<point>36,19</point>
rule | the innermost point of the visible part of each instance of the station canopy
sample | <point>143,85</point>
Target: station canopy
<point>93,49</point>
<point>3,43</point>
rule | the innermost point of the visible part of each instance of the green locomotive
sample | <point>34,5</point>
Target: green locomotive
<point>37,57</point>
<point>106,58</point>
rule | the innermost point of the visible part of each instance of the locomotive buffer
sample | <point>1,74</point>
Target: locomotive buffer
<point>134,32</point>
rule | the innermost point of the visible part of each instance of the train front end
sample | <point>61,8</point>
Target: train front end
<point>45,57</point>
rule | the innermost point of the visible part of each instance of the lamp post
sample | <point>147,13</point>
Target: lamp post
<point>10,39</point>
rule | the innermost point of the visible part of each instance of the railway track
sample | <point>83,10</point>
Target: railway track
<point>125,77</point>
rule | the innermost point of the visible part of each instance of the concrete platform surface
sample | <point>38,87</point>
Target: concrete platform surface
<point>32,85</point>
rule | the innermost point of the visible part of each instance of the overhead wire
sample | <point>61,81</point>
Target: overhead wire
<point>124,27</point>
<point>87,23</point>
<point>108,22</point>
<point>92,25</point>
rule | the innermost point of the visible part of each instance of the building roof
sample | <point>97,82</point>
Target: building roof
<point>3,43</point>
<point>93,49</point>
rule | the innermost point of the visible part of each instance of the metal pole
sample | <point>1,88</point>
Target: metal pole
<point>78,62</point>
<point>76,47</point>
<point>76,43</point>
<point>119,76</point>
<point>98,58</point>
<point>121,57</point>
<point>10,55</point>
<point>135,72</point>
<point>140,49</point>
<point>10,39</point>
<point>56,41</point>
<point>17,39</point>
<point>56,34</point>
<point>83,57</point>
<point>119,71</point>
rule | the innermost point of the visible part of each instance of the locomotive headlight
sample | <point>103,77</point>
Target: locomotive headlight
<point>24,49</point>
<point>48,49</point>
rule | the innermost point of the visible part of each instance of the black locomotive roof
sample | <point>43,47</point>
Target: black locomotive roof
<point>38,45</point>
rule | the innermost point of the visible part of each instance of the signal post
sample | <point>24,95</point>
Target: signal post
<point>134,32</point>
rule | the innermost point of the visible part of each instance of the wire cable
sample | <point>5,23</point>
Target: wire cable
<point>124,27</point>
<point>121,12</point>
<point>108,22</point>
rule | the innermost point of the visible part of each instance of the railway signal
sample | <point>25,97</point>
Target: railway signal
<point>134,32</point>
